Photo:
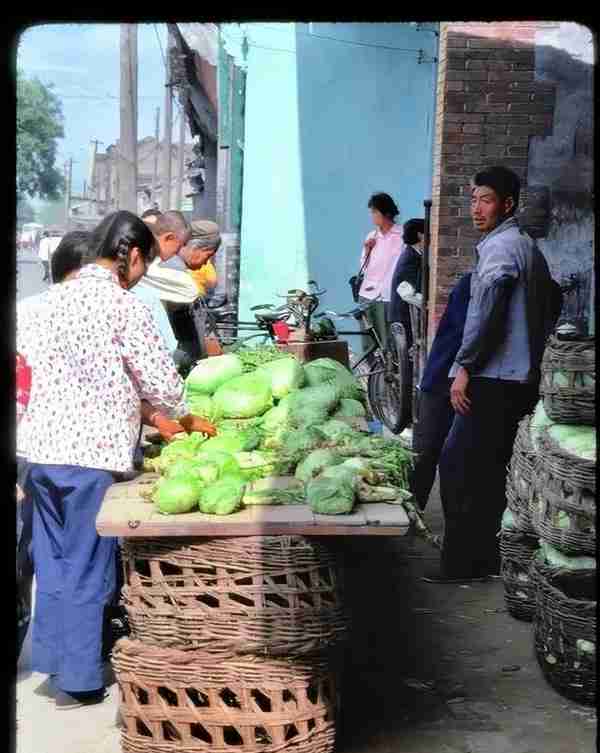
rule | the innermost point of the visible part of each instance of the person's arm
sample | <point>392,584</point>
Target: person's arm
<point>407,292</point>
<point>498,276</point>
<point>171,284</point>
<point>148,361</point>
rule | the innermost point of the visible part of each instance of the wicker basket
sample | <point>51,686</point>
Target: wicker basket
<point>517,550</point>
<point>518,481</point>
<point>184,702</point>
<point>563,500</point>
<point>260,594</point>
<point>565,630</point>
<point>573,403</point>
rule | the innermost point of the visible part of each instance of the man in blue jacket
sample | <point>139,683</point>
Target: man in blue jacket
<point>513,308</point>
<point>435,409</point>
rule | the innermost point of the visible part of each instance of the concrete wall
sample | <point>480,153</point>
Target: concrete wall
<point>332,115</point>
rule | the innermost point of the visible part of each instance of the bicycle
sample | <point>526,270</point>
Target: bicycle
<point>386,370</point>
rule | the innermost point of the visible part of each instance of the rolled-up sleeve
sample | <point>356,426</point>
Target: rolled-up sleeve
<point>149,363</point>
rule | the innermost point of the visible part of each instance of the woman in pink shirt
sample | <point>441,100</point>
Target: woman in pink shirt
<point>380,252</point>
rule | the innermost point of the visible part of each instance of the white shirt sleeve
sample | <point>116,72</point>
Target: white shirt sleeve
<point>171,284</point>
<point>407,292</point>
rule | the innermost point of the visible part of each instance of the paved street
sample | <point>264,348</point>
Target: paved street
<point>424,673</point>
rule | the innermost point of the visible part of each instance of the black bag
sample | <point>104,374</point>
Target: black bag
<point>356,281</point>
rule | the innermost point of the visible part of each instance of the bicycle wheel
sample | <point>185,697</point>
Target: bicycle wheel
<point>390,387</point>
<point>362,373</point>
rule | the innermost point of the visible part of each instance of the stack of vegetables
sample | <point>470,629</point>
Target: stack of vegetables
<point>287,434</point>
<point>562,516</point>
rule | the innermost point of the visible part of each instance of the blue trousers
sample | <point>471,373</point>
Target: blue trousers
<point>472,469</point>
<point>75,573</point>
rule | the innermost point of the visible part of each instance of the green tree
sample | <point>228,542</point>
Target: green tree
<point>39,125</point>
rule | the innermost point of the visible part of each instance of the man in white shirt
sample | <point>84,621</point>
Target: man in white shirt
<point>48,246</point>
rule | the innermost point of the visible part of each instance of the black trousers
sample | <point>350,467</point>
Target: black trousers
<point>429,434</point>
<point>473,474</point>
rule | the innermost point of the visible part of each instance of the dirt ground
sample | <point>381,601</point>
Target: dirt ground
<point>424,672</point>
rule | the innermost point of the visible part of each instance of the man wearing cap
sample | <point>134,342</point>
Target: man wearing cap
<point>195,258</point>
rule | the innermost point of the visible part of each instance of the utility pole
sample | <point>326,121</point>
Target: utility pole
<point>68,183</point>
<point>156,152</point>
<point>128,119</point>
<point>166,172</point>
<point>92,187</point>
<point>181,159</point>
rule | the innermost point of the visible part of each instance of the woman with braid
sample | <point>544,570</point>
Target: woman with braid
<point>95,357</point>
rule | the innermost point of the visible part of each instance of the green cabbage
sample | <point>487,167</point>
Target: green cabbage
<point>333,492</point>
<point>223,497</point>
<point>183,466</point>
<point>349,409</point>
<point>224,461</point>
<point>275,418</point>
<point>286,375</point>
<point>311,406</point>
<point>315,462</point>
<point>330,371</point>
<point>336,430</point>
<point>579,441</point>
<point>508,520</point>
<point>245,396</point>
<point>202,406</point>
<point>558,559</point>
<point>183,448</point>
<point>255,465</point>
<point>297,444</point>
<point>177,495</point>
<point>211,373</point>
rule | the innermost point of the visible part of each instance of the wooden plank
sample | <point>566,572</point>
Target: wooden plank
<point>382,514</point>
<point>356,518</point>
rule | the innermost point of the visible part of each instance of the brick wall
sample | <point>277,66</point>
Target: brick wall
<point>488,107</point>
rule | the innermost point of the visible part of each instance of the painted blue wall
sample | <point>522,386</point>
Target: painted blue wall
<point>328,122</point>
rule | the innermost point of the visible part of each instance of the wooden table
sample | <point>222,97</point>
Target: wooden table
<point>124,513</point>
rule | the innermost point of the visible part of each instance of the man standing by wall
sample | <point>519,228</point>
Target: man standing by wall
<point>512,310</point>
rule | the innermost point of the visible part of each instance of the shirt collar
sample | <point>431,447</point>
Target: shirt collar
<point>98,272</point>
<point>510,222</point>
<point>394,230</point>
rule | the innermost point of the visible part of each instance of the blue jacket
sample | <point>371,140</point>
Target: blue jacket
<point>513,308</point>
<point>448,338</point>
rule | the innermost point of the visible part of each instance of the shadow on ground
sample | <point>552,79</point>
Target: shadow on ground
<point>443,669</point>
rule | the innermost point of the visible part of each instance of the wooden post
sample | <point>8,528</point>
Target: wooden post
<point>179,200</point>
<point>128,120</point>
<point>156,152</point>
<point>166,171</point>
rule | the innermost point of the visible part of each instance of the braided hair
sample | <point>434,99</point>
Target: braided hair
<point>117,234</point>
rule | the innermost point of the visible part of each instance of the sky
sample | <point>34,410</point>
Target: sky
<point>82,61</point>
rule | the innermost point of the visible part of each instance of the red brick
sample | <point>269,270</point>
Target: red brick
<point>466,76</point>
<point>476,65</point>
<point>531,108</point>
<point>450,148</point>
<point>488,43</point>
<point>499,65</point>
<point>518,150</point>
<point>486,107</point>
<point>456,40</point>
<point>453,65</point>
<point>510,76</point>
<point>510,96</point>
<point>458,137</point>
<point>472,128</point>
<point>465,117</point>
<point>455,86</point>
<point>507,119</point>
<point>495,129</point>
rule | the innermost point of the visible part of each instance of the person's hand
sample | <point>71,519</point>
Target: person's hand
<point>369,243</point>
<point>196,258</point>
<point>167,427</point>
<point>194,423</point>
<point>458,392</point>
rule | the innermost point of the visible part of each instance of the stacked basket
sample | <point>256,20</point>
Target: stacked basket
<point>233,645</point>
<point>562,511</point>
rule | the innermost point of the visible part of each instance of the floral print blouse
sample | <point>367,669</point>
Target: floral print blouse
<point>95,352</point>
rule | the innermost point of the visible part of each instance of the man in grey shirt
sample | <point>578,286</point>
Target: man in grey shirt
<point>513,308</point>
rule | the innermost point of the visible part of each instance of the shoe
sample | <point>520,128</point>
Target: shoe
<point>68,701</point>
<point>441,578</point>
<point>47,689</point>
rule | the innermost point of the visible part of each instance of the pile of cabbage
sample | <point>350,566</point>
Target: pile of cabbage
<point>276,417</point>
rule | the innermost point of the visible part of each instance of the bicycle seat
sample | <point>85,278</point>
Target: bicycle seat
<point>269,316</point>
<point>354,314</point>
